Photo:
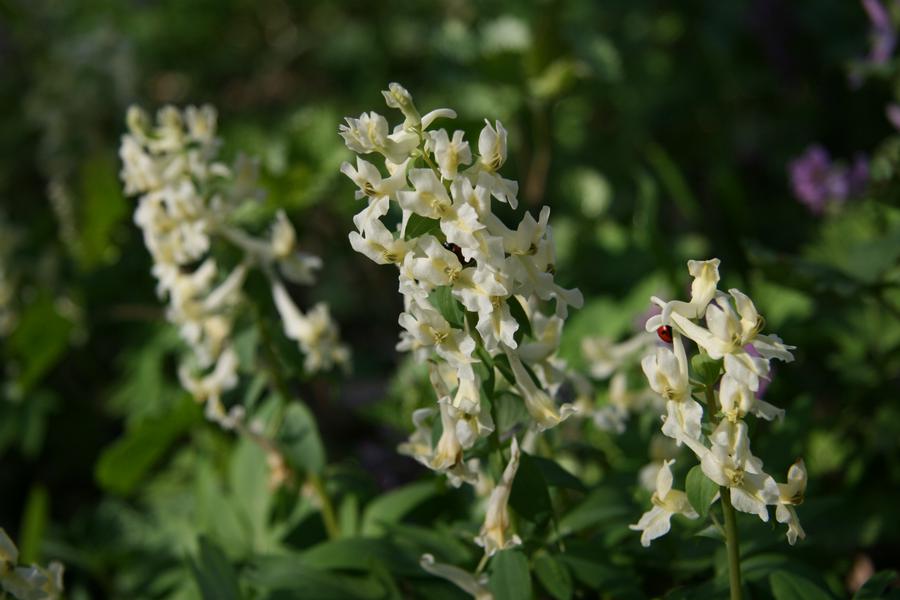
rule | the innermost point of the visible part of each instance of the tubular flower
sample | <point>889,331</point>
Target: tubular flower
<point>791,494</point>
<point>496,532</point>
<point>656,522</point>
<point>187,199</point>
<point>735,358</point>
<point>32,582</point>
<point>466,278</point>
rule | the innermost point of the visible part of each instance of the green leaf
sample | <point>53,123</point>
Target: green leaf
<point>502,364</point>
<point>39,339</point>
<point>603,507</point>
<point>510,578</point>
<point>449,307</point>
<point>556,476</point>
<point>249,476</point>
<point>706,370</point>
<point>417,226</point>
<point>787,586</point>
<point>485,370</point>
<point>34,522</point>
<point>437,539</point>
<point>518,313</point>
<point>554,576</point>
<point>124,464</point>
<point>287,577</point>
<point>394,505</point>
<point>757,567</point>
<point>875,586</point>
<point>700,490</point>
<point>529,496</point>
<point>360,554</point>
<point>101,209</point>
<point>595,575</point>
<point>214,574</point>
<point>299,438</point>
<point>712,532</point>
<point>510,410</point>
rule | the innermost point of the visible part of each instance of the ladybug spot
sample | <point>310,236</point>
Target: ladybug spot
<point>665,333</point>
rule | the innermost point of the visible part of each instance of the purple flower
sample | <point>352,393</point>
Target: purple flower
<point>892,111</point>
<point>818,182</point>
<point>882,34</point>
<point>810,174</point>
<point>858,177</point>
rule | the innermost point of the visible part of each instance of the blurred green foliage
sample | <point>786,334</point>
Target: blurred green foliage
<point>656,131</point>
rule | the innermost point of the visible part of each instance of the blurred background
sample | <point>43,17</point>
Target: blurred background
<point>656,132</point>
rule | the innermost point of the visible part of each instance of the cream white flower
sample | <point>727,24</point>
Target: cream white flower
<point>365,134</point>
<point>703,290</point>
<point>737,400</point>
<point>730,332</point>
<point>604,356</point>
<point>9,554</point>
<point>667,373</point>
<point>379,244</point>
<point>186,204</point>
<point>666,501</point>
<point>418,445</point>
<point>492,146</point>
<point>450,153</point>
<point>496,533</point>
<point>729,463</point>
<point>397,96</point>
<point>489,270</point>
<point>315,331</point>
<point>27,582</point>
<point>370,182</point>
<point>791,494</point>
<point>429,197</point>
<point>540,406</point>
<point>428,329</point>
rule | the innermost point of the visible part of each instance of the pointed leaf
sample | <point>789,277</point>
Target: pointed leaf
<point>700,490</point>
<point>510,578</point>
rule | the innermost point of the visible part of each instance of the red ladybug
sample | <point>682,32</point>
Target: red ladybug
<point>665,333</point>
<point>455,249</point>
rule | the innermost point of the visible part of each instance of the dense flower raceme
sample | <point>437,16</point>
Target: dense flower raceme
<point>187,200</point>
<point>610,360</point>
<point>731,333</point>
<point>27,582</point>
<point>470,284</point>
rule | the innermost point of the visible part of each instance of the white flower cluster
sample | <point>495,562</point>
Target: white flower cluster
<point>732,335</point>
<point>27,583</point>
<point>611,360</point>
<point>187,200</point>
<point>468,281</point>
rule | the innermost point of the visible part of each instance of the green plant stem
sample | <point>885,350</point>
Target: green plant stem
<point>327,508</point>
<point>731,543</point>
<point>279,386</point>
<point>481,564</point>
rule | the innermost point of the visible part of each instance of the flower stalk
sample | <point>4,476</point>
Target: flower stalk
<point>732,544</point>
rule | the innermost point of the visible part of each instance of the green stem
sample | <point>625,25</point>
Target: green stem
<point>280,387</point>
<point>711,406</point>
<point>328,515</point>
<point>731,543</point>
